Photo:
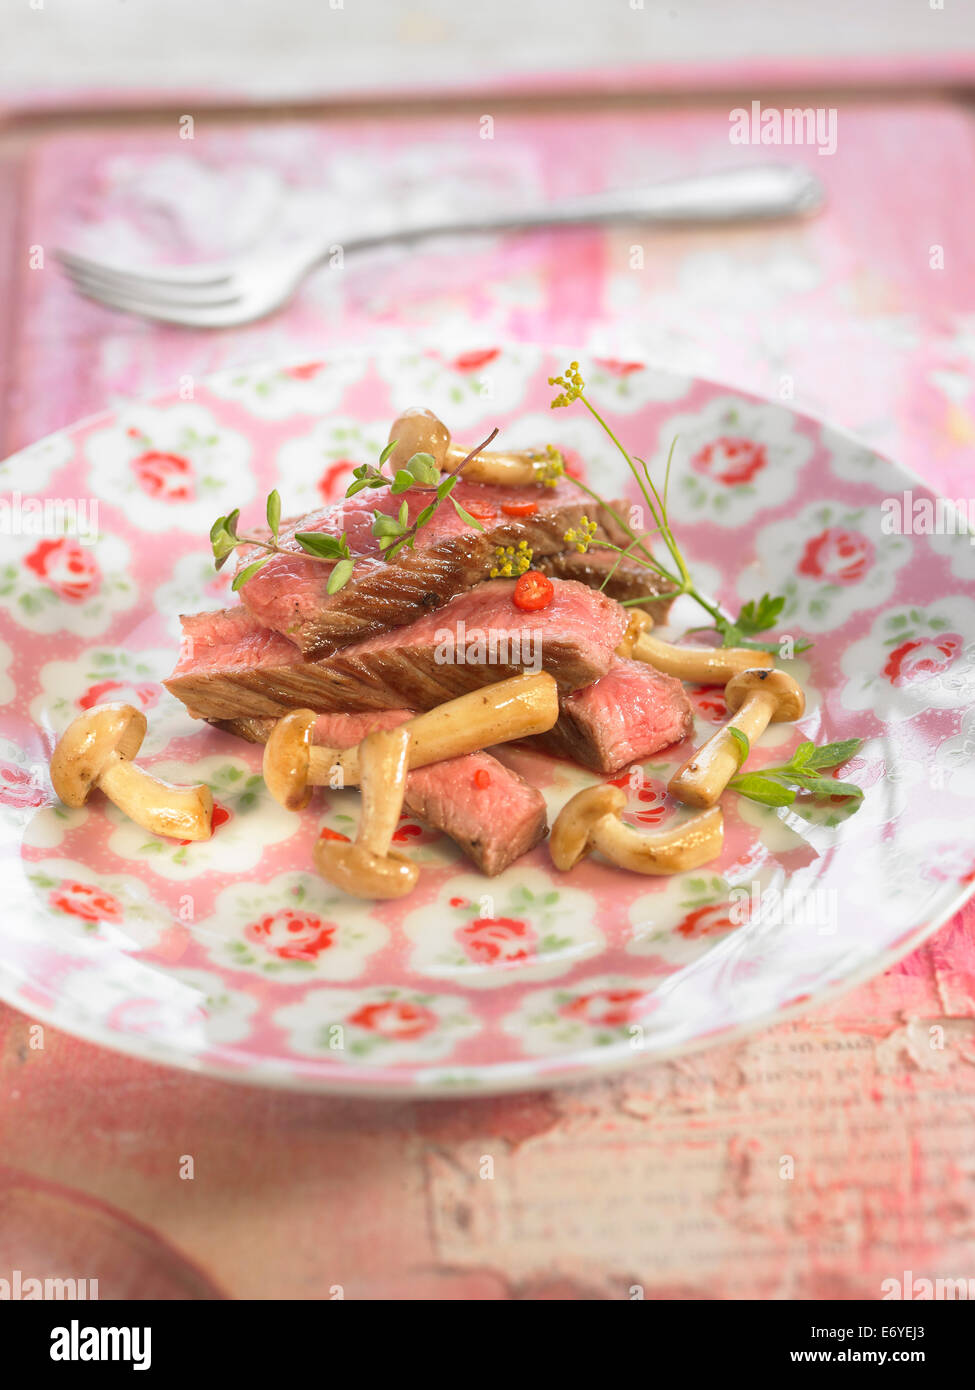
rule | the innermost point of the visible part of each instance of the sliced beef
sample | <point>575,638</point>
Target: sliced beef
<point>494,815</point>
<point>289,593</point>
<point>624,717</point>
<point>232,667</point>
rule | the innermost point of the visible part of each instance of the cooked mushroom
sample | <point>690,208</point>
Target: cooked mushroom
<point>509,709</point>
<point>96,750</point>
<point>709,665</point>
<point>419,431</point>
<point>755,699</point>
<point>369,868</point>
<point>591,821</point>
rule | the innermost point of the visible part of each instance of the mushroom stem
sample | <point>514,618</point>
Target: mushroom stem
<point>755,698</point>
<point>591,821</point>
<point>184,813</point>
<point>516,469</point>
<point>509,709</point>
<point>705,665</point>
<point>702,779</point>
<point>418,431</point>
<point>383,763</point>
<point>369,868</point>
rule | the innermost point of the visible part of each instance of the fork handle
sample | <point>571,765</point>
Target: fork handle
<point>734,195</point>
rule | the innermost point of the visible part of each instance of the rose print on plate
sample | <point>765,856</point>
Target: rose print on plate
<point>733,460</point>
<point>169,1009</point>
<point>200,1002</point>
<point>312,386</point>
<point>624,384</point>
<point>104,675</point>
<point>247,823</point>
<point>295,925</point>
<point>465,388</point>
<point>380,1026</point>
<point>831,562</point>
<point>62,584</point>
<point>679,917</point>
<point>314,470</point>
<point>600,1012</point>
<point>485,934</point>
<point>170,468</point>
<point>25,788</point>
<point>913,660</point>
<point>109,908</point>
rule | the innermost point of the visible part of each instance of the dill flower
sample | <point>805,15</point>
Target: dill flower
<point>550,467</point>
<point>511,560</point>
<point>581,536</point>
<point>572,386</point>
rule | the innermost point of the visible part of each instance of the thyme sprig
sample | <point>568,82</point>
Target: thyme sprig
<point>392,532</point>
<point>331,550</point>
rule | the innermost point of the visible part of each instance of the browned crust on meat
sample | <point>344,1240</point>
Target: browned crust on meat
<point>382,596</point>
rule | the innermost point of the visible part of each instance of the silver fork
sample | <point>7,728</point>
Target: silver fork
<point>219,294</point>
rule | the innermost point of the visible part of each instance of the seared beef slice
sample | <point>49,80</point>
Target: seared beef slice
<point>231,667</point>
<point>624,717</point>
<point>289,595</point>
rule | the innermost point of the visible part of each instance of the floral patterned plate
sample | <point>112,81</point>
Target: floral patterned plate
<point>232,957</point>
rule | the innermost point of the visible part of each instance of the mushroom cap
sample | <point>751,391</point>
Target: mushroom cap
<point>287,758</point>
<point>418,431</point>
<point>572,831</point>
<point>362,874</point>
<point>790,702</point>
<point>87,745</point>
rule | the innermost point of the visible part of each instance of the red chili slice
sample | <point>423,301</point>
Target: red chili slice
<point>519,508</point>
<point>481,778</point>
<point>533,591</point>
<point>481,510</point>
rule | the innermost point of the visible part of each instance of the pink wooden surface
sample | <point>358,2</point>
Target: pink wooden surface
<point>670,1177</point>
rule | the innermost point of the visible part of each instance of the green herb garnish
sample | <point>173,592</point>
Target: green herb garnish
<point>779,786</point>
<point>391,532</point>
<point>753,617</point>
